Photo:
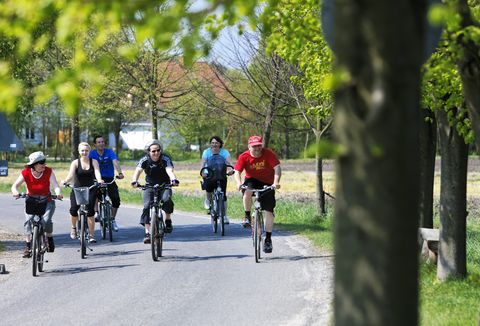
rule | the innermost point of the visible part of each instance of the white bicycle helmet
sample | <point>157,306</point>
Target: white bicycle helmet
<point>152,142</point>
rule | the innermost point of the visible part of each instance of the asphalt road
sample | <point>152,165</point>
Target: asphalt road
<point>203,278</point>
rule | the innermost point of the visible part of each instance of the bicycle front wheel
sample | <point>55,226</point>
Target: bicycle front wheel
<point>221,213</point>
<point>257,234</point>
<point>214,214</point>
<point>41,252</point>
<point>155,235</point>
<point>83,244</point>
<point>35,250</point>
<point>108,220</point>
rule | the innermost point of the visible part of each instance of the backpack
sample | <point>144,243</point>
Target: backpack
<point>218,165</point>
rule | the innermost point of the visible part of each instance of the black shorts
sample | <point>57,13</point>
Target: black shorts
<point>211,184</point>
<point>267,199</point>
<point>112,192</point>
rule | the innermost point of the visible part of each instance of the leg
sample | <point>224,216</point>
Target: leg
<point>247,205</point>
<point>91,228</point>
<point>269,217</point>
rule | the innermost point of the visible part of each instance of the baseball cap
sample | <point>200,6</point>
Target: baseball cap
<point>255,140</point>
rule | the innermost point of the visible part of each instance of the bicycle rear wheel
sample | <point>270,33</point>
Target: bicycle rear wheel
<point>221,213</point>
<point>154,233</point>
<point>35,250</point>
<point>257,235</point>
<point>83,244</point>
<point>108,220</point>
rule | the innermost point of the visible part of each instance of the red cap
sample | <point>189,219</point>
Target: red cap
<point>255,140</point>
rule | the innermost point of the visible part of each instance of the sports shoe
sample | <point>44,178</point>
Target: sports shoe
<point>246,222</point>
<point>168,226</point>
<point>147,240</point>
<point>92,240</point>
<point>114,226</point>
<point>206,204</point>
<point>73,233</point>
<point>226,220</point>
<point>27,253</point>
<point>267,246</point>
<point>50,244</point>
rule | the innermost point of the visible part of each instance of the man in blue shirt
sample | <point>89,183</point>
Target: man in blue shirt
<point>107,159</point>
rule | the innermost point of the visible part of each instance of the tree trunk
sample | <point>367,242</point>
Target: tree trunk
<point>75,136</point>
<point>428,147</point>
<point>154,109</point>
<point>379,45</point>
<point>321,210</point>
<point>452,249</point>
<point>469,69</point>
<point>272,107</point>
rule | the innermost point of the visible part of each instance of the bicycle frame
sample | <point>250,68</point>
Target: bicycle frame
<point>105,211</point>
<point>157,223</point>
<point>258,228</point>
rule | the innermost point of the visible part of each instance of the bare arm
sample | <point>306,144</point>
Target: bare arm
<point>20,180</point>
<point>96,169</point>
<point>277,176</point>
<point>238,179</point>
<point>116,164</point>
<point>71,172</point>
<point>136,174</point>
<point>54,184</point>
<point>170,173</point>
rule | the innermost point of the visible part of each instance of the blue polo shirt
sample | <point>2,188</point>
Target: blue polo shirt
<point>105,161</point>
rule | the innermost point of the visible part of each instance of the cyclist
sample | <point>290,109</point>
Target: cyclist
<point>215,157</point>
<point>38,179</point>
<point>158,169</point>
<point>262,168</point>
<point>108,162</point>
<point>84,171</point>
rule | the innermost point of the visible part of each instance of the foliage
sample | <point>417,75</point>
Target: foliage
<point>87,26</point>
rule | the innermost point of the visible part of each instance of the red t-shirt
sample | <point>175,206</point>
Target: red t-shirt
<point>40,186</point>
<point>260,168</point>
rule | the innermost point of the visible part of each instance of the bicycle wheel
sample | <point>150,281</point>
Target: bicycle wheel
<point>257,234</point>
<point>42,245</point>
<point>108,219</point>
<point>214,213</point>
<point>154,234</point>
<point>35,250</point>
<point>102,218</point>
<point>161,234</point>
<point>83,244</point>
<point>221,213</point>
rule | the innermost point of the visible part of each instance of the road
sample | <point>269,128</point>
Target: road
<point>203,279</point>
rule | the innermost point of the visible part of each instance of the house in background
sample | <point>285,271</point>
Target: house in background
<point>9,141</point>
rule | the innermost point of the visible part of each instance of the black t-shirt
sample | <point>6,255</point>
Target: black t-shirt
<point>155,172</point>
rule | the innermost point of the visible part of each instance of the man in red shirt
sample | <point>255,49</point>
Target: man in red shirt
<point>262,168</point>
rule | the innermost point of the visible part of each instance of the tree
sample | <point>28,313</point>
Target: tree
<point>379,49</point>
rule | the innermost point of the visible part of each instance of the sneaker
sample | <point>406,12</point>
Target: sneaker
<point>246,222</point>
<point>92,240</point>
<point>206,204</point>
<point>114,226</point>
<point>267,246</point>
<point>168,226</point>
<point>73,233</point>
<point>27,253</point>
<point>50,244</point>
<point>226,220</point>
<point>147,240</point>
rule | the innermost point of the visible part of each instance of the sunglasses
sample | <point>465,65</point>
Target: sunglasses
<point>155,151</point>
<point>41,162</point>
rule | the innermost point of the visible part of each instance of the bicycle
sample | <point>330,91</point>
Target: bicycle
<point>105,210</point>
<point>82,199</point>
<point>37,206</point>
<point>157,222</point>
<point>217,207</point>
<point>258,228</point>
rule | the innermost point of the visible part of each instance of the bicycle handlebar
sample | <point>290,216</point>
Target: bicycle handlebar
<point>265,189</point>
<point>25,195</point>
<point>156,186</point>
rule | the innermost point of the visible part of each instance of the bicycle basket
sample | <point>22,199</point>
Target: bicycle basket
<point>35,205</point>
<point>81,195</point>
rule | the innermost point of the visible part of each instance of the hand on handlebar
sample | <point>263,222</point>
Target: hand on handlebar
<point>135,184</point>
<point>120,176</point>
<point>175,182</point>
